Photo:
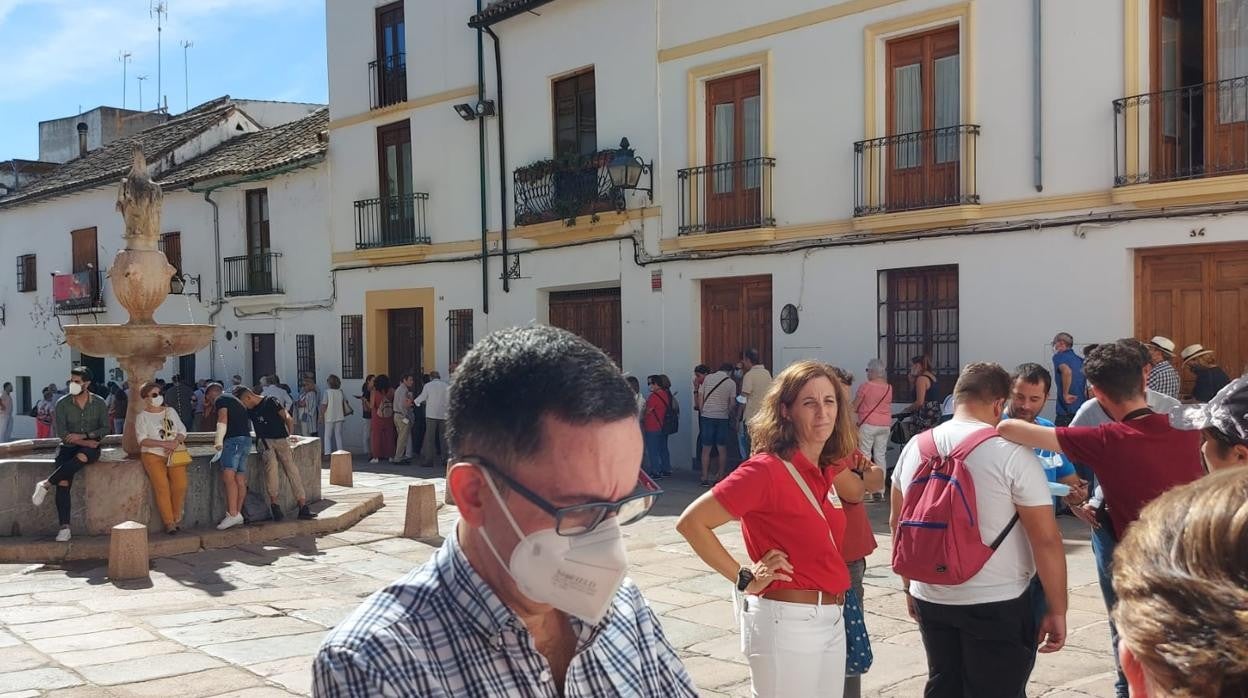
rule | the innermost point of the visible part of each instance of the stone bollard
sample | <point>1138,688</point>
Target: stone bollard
<point>127,552</point>
<point>422,512</point>
<point>340,469</point>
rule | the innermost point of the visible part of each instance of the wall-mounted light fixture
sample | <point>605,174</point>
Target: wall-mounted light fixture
<point>469,112</point>
<point>178,285</point>
<point>626,169</point>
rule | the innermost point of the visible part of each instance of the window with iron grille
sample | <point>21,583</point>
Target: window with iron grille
<point>305,355</point>
<point>352,346</point>
<point>26,277</point>
<point>460,322</point>
<point>918,316</point>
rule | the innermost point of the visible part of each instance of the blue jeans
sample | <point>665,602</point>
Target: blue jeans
<point>1103,544</point>
<point>659,457</point>
<point>234,452</point>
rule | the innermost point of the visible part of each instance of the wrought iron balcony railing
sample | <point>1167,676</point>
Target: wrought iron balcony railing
<point>389,221</point>
<point>387,81</point>
<point>1184,133</point>
<point>252,274</point>
<point>78,293</point>
<point>912,171</point>
<point>726,196</point>
<point>551,190</point>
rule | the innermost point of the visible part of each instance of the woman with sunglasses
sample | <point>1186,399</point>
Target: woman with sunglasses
<point>793,632</point>
<point>159,430</point>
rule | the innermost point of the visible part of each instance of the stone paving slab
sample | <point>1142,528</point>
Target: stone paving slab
<point>245,620</point>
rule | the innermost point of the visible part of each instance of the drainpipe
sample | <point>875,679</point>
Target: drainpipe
<point>502,156</point>
<point>1037,102</point>
<point>485,222</point>
<point>216,267</point>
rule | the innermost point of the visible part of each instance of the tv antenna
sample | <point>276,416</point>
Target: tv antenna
<point>186,74</point>
<point>140,78</point>
<point>123,57</point>
<point>159,10</point>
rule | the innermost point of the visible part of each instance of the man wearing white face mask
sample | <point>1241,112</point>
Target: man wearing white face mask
<point>81,421</point>
<point>528,597</point>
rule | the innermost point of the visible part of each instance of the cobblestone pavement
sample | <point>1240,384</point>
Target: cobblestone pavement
<point>244,622</point>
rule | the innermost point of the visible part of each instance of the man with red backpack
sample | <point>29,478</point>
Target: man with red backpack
<point>958,492</point>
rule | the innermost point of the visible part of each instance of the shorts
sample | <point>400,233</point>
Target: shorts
<point>715,432</point>
<point>234,454</point>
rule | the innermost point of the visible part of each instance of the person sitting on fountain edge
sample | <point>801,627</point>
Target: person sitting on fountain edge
<point>82,421</point>
<point>273,425</point>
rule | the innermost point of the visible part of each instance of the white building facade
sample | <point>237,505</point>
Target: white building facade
<point>833,180</point>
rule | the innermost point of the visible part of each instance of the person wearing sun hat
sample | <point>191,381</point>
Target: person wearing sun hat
<point>1210,378</point>
<point>1224,423</point>
<point>1163,379</point>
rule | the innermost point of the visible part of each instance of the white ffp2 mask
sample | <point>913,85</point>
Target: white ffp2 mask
<point>158,400</point>
<point>578,575</point>
<point>75,388</point>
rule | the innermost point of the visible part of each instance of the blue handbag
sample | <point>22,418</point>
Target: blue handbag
<point>858,656</point>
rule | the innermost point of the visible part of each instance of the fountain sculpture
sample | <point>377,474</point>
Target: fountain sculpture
<point>140,279</point>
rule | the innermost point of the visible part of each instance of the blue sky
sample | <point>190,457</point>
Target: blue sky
<point>60,55</point>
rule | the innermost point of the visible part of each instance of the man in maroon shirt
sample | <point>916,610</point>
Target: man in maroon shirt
<point>1138,455</point>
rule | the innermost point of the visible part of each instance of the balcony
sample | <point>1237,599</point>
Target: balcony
<point>551,190</point>
<point>1182,134</point>
<point>78,293</point>
<point>726,196</point>
<point>252,275</point>
<point>387,81</point>
<point>915,171</point>
<point>391,221</point>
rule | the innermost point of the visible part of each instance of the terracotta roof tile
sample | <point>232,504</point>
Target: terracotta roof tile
<point>254,153</point>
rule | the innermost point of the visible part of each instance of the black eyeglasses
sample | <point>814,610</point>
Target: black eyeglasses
<point>580,519</point>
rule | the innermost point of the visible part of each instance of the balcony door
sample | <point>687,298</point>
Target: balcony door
<point>734,138</point>
<point>391,54</point>
<point>924,109</point>
<point>259,258</point>
<point>394,161</point>
<point>1200,68</point>
<point>86,265</point>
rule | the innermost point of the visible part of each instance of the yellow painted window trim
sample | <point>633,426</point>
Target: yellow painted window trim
<point>1194,191</point>
<point>401,107</point>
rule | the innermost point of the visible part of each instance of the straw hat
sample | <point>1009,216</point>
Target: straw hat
<point>1194,351</point>
<point>1165,344</point>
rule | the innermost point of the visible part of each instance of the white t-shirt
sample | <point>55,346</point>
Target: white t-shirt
<point>333,406</point>
<point>435,397</point>
<point>161,426</point>
<point>719,394</point>
<point>1006,475</point>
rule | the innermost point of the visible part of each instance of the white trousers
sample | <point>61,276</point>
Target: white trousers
<point>331,437</point>
<point>795,650</point>
<point>873,442</point>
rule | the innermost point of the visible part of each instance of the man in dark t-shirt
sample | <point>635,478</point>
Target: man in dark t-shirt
<point>273,425</point>
<point>233,441</point>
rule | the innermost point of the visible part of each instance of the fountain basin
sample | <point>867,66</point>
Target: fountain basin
<point>139,340</point>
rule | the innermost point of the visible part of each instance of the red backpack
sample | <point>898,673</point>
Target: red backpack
<point>938,539</point>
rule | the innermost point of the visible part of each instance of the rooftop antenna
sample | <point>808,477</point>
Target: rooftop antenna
<point>159,10</point>
<point>140,78</point>
<point>186,75</point>
<point>123,57</point>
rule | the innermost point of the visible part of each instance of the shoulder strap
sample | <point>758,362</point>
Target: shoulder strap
<point>810,496</point>
<point>877,404</point>
<point>972,442</point>
<point>1008,527</point>
<point>927,445</point>
<point>721,382</point>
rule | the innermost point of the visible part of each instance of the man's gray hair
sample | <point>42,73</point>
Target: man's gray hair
<point>875,369</point>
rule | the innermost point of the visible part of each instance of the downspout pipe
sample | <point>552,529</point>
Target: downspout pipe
<point>1037,97</point>
<point>502,156</point>
<point>482,168</point>
<point>217,302</point>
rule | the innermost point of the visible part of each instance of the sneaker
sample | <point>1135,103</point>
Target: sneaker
<point>305,513</point>
<point>41,493</point>
<point>230,521</point>
<point>373,460</point>
<point>62,536</point>
<point>277,512</point>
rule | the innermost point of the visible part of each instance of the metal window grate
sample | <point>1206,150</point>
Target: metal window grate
<point>26,276</point>
<point>352,346</point>
<point>305,355</point>
<point>918,315</point>
<point>460,326</point>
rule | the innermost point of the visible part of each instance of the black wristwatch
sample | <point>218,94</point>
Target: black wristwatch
<point>744,578</point>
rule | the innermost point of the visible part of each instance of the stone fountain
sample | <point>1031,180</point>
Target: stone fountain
<point>139,278</point>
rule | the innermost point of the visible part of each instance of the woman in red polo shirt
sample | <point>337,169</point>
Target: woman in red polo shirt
<point>791,626</point>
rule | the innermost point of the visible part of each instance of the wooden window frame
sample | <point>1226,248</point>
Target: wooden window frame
<point>352,331</point>
<point>573,78</point>
<point>27,273</point>
<point>176,257</point>
<point>379,28</point>
<point>888,305</point>
<point>256,226</point>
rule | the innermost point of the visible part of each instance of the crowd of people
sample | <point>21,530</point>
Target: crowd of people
<point>405,420</point>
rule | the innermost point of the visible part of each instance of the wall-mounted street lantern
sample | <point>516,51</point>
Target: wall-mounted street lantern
<point>626,169</point>
<point>179,283</point>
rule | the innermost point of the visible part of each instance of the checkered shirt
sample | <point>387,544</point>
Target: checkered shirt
<point>440,631</point>
<point>1164,379</point>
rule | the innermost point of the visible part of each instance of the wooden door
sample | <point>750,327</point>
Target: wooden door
<point>923,105</point>
<point>733,149</point>
<point>406,341</point>
<point>1196,295</point>
<point>394,162</point>
<point>736,315</point>
<point>593,314</point>
<point>263,357</point>
<point>1226,104</point>
<point>391,54</point>
<point>86,262</point>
